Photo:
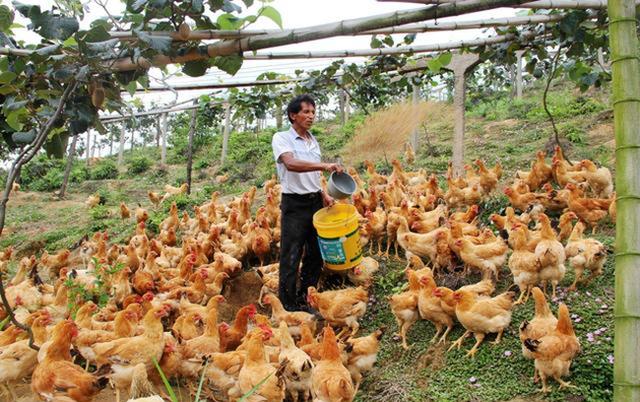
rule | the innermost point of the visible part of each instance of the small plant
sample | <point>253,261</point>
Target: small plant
<point>202,164</point>
<point>78,293</point>
<point>104,170</point>
<point>99,212</point>
<point>138,164</point>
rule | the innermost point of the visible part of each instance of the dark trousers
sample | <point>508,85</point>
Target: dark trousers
<point>298,234</point>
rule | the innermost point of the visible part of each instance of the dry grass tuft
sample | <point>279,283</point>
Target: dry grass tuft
<point>385,132</point>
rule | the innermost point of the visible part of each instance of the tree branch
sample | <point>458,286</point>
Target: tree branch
<point>554,65</point>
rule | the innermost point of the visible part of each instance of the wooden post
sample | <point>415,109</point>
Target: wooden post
<point>225,135</point>
<point>88,150</point>
<point>158,131</point>
<point>67,169</point>
<point>192,130</point>
<point>415,99</point>
<point>625,68</point>
<point>163,151</point>
<point>341,102</point>
<point>460,64</point>
<point>121,149</point>
<point>519,54</point>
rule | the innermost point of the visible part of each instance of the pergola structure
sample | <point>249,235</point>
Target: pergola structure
<point>625,63</point>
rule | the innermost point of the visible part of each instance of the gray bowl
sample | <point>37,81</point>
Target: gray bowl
<point>341,185</point>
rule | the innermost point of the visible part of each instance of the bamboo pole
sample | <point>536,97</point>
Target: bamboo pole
<point>121,149</point>
<point>539,4</point>
<point>415,99</point>
<point>225,135</point>
<point>625,66</point>
<point>163,151</point>
<point>67,169</point>
<point>88,150</point>
<point>340,28</point>
<point>192,130</point>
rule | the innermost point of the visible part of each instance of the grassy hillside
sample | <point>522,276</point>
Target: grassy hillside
<point>499,129</point>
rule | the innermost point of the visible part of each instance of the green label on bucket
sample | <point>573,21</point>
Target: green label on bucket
<point>332,250</point>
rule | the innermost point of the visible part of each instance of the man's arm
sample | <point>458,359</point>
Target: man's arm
<point>296,165</point>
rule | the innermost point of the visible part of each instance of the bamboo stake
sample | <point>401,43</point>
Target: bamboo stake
<point>225,135</point>
<point>340,28</point>
<point>192,129</point>
<point>121,149</point>
<point>163,151</point>
<point>67,169</point>
<point>539,4</point>
<point>625,67</point>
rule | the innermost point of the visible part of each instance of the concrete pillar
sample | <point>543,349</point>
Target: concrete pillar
<point>225,135</point>
<point>460,64</point>
<point>415,99</point>
<point>519,54</point>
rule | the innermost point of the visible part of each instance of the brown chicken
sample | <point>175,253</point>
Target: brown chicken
<point>565,225</point>
<point>589,210</point>
<point>293,319</point>
<point>434,309</point>
<point>554,352</point>
<point>376,227</point>
<point>187,326</point>
<point>363,273</point>
<point>599,179</point>
<point>57,378</point>
<point>231,336</point>
<point>54,262</point>
<point>524,264</point>
<point>404,306</point>
<point>124,211</point>
<point>420,244</point>
<point>259,373</point>
<point>584,254</point>
<point>487,258</point>
<point>550,255</point>
<point>363,353</point>
<point>195,350</point>
<point>488,179</point>
<point>542,324</point>
<point>340,308</point>
<point>539,174</point>
<point>155,198</point>
<point>482,316</point>
<point>331,381</point>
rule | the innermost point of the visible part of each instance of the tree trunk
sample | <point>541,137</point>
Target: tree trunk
<point>341,103</point>
<point>225,135</point>
<point>111,146</point>
<point>67,169</point>
<point>132,139</point>
<point>415,99</point>
<point>121,150</point>
<point>625,66</point>
<point>163,151</point>
<point>158,131</point>
<point>519,54</point>
<point>192,130</point>
<point>278,115</point>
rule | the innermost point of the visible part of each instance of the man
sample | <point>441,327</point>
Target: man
<point>298,161</point>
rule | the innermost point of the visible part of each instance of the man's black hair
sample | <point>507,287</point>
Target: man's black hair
<point>296,104</point>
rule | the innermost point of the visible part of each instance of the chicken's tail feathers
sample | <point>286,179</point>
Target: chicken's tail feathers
<point>564,325</point>
<point>541,305</point>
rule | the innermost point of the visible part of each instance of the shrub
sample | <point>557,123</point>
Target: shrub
<point>52,180</point>
<point>138,164</point>
<point>202,164</point>
<point>105,169</point>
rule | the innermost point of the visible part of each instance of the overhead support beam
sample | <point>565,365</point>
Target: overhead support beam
<point>222,85</point>
<point>306,34</point>
<point>540,4</point>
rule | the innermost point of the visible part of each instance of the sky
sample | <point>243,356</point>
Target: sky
<point>295,14</point>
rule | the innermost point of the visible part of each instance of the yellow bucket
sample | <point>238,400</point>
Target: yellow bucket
<point>338,236</point>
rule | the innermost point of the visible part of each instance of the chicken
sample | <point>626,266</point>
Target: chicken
<point>584,254</point>
<point>539,174</point>
<point>482,316</point>
<point>92,201</point>
<point>293,319</point>
<point>404,306</point>
<point>195,350</point>
<point>124,211</point>
<point>10,335</point>
<point>297,366</point>
<point>169,363</point>
<point>524,201</point>
<point>542,324</point>
<point>551,256</point>
<point>231,336</point>
<point>432,308</point>
<point>524,265</point>
<point>256,372</point>
<point>261,243</point>
<point>56,378</point>
<point>565,225</point>
<point>488,258</point>
<point>563,175</point>
<point>589,210</point>
<point>362,274</point>
<point>155,198</point>
<point>125,353</point>
<point>141,214</point>
<point>18,360</point>
<point>376,227</point>
<point>340,307</point>
<point>187,326</point>
<point>363,353</point>
<point>331,381</point>
<point>554,352</point>
<point>599,179</point>
<point>223,371</point>
<point>54,263</point>
<point>420,244</point>
<point>488,179</point>
<point>171,191</point>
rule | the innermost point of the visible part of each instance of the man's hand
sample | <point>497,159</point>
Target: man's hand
<point>327,200</point>
<point>333,167</point>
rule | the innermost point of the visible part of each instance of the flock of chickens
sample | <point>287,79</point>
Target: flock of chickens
<point>164,289</point>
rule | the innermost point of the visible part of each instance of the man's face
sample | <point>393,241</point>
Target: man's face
<point>304,118</point>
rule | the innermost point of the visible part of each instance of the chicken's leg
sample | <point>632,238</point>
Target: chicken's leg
<point>578,271</point>
<point>403,333</point>
<point>117,394</point>
<point>379,253</point>
<point>521,298</point>
<point>458,343</point>
<point>444,336</point>
<point>554,285</point>
<point>543,379</point>
<point>439,329</point>
<point>564,384</point>
<point>474,349</point>
<point>498,338</point>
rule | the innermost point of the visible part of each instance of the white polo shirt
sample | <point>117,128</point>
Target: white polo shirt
<point>306,150</point>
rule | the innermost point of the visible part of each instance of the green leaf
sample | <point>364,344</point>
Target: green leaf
<point>56,27</point>
<point>255,388</point>
<point>7,77</point>
<point>204,370</point>
<point>160,44</point>
<point>13,119</point>
<point>7,89</point>
<point>229,64</point>
<point>195,68</point>
<point>434,65</point>
<point>229,7</point>
<point>375,43</point>
<point>445,58</point>
<point>229,22</point>
<point>6,18</point>
<point>131,87</point>
<point>22,137</point>
<point>248,3</point>
<point>70,42</point>
<point>172,394</point>
<point>98,33</point>
<point>272,14</point>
